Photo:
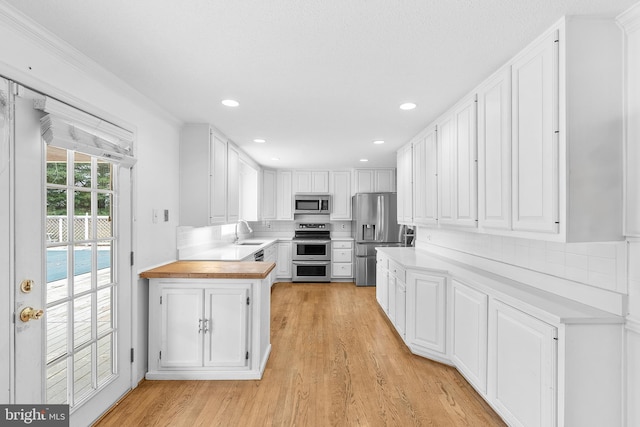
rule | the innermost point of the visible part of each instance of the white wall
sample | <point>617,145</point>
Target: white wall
<point>31,56</point>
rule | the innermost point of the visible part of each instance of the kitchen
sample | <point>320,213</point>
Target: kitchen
<point>603,275</point>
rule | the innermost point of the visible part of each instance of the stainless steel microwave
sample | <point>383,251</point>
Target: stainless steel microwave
<point>312,204</point>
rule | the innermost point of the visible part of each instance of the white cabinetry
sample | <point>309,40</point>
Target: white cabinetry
<point>340,182</point>
<point>523,354</point>
<point>342,259</point>
<point>405,185</point>
<point>425,178</point>
<point>284,195</point>
<point>375,180</point>
<point>283,266</point>
<point>457,201</point>
<point>469,342</point>
<point>208,328</point>
<point>269,201</point>
<point>382,281</point>
<point>209,177</point>
<point>397,297</point>
<point>494,151</point>
<point>311,181</point>
<point>426,314</point>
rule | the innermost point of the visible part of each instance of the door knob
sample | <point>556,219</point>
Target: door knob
<point>30,313</point>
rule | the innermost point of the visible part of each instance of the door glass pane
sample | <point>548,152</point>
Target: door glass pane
<point>82,267</point>
<point>82,316</point>
<point>104,175</point>
<point>104,223</point>
<point>57,382</point>
<point>105,261</point>
<point>56,225</point>
<point>82,375</point>
<point>104,310</point>
<point>56,165</point>
<point>82,215</point>
<point>57,265</point>
<point>105,359</point>
<point>57,317</point>
<point>82,170</point>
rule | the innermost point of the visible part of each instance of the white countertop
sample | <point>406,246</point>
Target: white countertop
<point>550,307</point>
<point>231,252</point>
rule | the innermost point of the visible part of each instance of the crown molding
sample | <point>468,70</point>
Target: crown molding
<point>21,24</point>
<point>629,20</point>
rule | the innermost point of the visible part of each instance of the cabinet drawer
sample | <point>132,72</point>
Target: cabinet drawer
<point>342,269</point>
<point>338,244</point>
<point>341,255</point>
<point>397,270</point>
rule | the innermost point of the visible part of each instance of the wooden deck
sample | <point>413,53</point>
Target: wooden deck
<point>57,337</point>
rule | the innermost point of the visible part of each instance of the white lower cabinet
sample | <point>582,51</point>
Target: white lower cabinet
<point>208,328</point>
<point>426,314</point>
<point>342,259</point>
<point>537,359</point>
<point>283,265</point>
<point>522,374</point>
<point>469,337</point>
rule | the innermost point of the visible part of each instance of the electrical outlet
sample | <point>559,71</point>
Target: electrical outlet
<point>268,225</point>
<point>344,226</point>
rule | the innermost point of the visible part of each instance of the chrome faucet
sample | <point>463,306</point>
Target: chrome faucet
<point>247,226</point>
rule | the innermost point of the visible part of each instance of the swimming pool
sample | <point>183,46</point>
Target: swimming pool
<point>57,262</point>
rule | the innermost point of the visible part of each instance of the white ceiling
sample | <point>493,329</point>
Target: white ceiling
<point>318,79</point>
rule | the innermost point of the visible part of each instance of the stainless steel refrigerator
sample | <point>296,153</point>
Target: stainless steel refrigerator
<point>375,223</point>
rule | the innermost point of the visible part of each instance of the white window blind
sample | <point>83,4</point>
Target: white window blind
<point>70,128</point>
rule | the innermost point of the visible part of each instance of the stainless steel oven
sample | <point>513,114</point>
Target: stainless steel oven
<point>311,260</point>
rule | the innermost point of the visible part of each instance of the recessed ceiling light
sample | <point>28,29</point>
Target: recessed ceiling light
<point>260,140</point>
<point>379,141</point>
<point>230,103</point>
<point>275,158</point>
<point>407,106</point>
<point>364,160</point>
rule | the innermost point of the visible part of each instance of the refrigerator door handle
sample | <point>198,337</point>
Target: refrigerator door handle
<point>380,214</point>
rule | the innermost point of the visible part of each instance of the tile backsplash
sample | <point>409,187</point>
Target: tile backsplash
<point>599,264</point>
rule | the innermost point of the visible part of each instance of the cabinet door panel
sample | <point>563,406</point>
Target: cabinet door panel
<point>470,334</point>
<point>465,159</point>
<point>181,316</point>
<point>268,194</point>
<point>218,200</point>
<point>283,266</point>
<point>227,319</point>
<point>447,171</point>
<point>385,180</point>
<point>284,195</point>
<point>320,181</point>
<point>382,288</point>
<point>426,298</point>
<point>535,142</point>
<point>431,178</point>
<point>401,306</point>
<point>523,356</point>
<point>365,181</point>
<point>494,152</point>
<point>233,184</point>
<point>341,190</point>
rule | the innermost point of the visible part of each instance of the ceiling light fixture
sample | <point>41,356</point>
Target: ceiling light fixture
<point>260,140</point>
<point>364,160</point>
<point>275,158</point>
<point>378,142</point>
<point>230,103</point>
<point>408,106</point>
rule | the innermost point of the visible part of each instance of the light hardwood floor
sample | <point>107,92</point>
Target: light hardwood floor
<point>335,361</point>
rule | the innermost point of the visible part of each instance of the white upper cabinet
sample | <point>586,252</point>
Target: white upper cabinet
<point>457,201</point>
<point>341,195</point>
<point>425,179</point>
<point>269,194</point>
<point>405,185</point>
<point>284,195</point>
<point>375,180</point>
<point>535,138</point>
<point>494,151</point>
<point>310,181</point>
<point>209,177</point>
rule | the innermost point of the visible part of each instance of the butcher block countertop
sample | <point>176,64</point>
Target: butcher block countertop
<point>210,270</point>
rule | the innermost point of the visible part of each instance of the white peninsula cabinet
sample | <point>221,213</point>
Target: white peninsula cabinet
<point>530,354</point>
<point>209,320</point>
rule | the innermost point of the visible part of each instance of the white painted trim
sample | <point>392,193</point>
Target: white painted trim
<point>633,325</point>
<point>32,31</point>
<point>629,20</point>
